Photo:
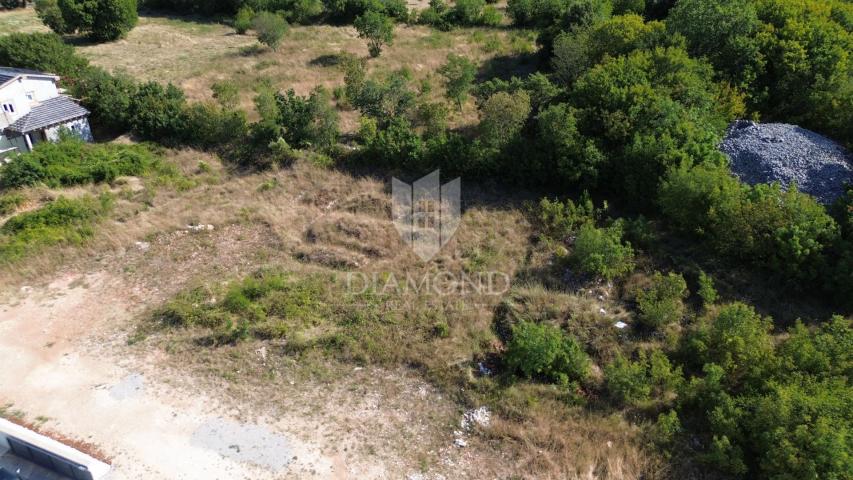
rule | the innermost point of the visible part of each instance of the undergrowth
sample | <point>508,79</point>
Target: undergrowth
<point>62,221</point>
<point>73,162</point>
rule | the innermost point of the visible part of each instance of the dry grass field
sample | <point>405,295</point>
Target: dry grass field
<point>294,220</point>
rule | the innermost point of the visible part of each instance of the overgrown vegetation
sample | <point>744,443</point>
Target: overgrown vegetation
<point>74,162</point>
<point>102,20</point>
<point>60,222</point>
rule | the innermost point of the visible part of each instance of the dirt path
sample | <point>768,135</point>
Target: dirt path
<point>53,368</point>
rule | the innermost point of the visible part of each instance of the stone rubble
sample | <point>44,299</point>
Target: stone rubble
<point>778,152</point>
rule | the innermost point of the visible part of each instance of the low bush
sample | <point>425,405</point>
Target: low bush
<point>107,96</point>
<point>662,302</point>
<point>706,290</point>
<point>558,220</point>
<point>73,162</point>
<point>601,252</point>
<point>157,113</point>
<point>627,382</point>
<point>308,121</point>
<point>770,412</point>
<point>544,351</point>
<point>243,20</point>
<point>207,126</point>
<point>458,73</point>
<point>62,221</point>
<point>270,28</point>
<point>785,232</point>
<point>503,116</point>
<point>9,202</point>
<point>268,304</point>
<point>651,376</point>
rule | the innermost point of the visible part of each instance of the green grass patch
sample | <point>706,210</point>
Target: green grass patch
<point>74,162</point>
<point>314,313</point>
<point>9,202</point>
<point>63,221</point>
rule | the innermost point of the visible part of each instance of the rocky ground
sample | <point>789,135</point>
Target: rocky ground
<point>777,152</point>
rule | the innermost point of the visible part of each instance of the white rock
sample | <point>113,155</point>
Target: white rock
<point>620,325</point>
<point>480,417</point>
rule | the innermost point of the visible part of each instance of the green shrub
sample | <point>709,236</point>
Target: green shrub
<point>706,291</point>
<point>270,28</point>
<point>662,302</point>
<point>107,96</point>
<point>207,125</point>
<point>458,75</point>
<point>50,14</point>
<point>491,17</point>
<point>679,116</point>
<point>9,202</point>
<point>41,51</point>
<point>73,162</point>
<point>114,19</point>
<point>502,117</point>
<point>627,381</point>
<point>267,304</point>
<point>785,232</point>
<point>10,4</point>
<point>103,20</point>
<point>600,251</point>
<point>823,352</point>
<point>621,7</point>
<point>652,375</point>
<point>667,428</point>
<point>386,100</point>
<point>565,153</point>
<point>226,92</point>
<point>467,12</point>
<point>62,221</point>
<point>558,220</point>
<point>540,350</point>
<point>243,20</point>
<point>436,15</point>
<point>787,421</point>
<point>737,339</point>
<point>377,28</point>
<point>157,113</point>
<point>396,146</point>
<point>310,121</point>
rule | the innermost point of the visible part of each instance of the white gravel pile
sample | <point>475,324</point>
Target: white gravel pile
<point>778,152</point>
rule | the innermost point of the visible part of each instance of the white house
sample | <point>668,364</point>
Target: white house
<point>33,110</point>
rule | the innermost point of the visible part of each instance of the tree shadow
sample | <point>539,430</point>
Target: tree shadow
<point>328,60</point>
<point>505,67</point>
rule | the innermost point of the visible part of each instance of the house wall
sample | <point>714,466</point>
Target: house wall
<point>11,142</point>
<point>15,93</point>
<point>78,127</point>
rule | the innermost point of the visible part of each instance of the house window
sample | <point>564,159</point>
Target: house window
<point>8,107</point>
<point>31,96</point>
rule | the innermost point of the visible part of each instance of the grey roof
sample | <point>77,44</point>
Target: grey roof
<point>49,112</point>
<point>8,73</point>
